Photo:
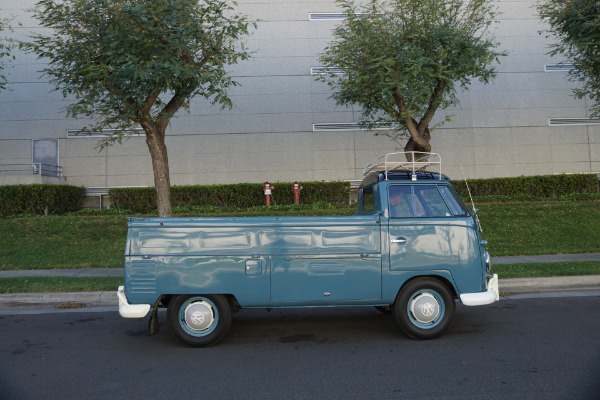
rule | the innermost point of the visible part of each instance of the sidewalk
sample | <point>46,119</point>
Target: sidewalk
<point>106,299</point>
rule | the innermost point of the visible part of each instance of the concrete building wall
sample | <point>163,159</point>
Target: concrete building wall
<point>500,129</point>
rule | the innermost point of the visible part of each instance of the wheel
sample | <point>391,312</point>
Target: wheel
<point>199,320</point>
<point>424,309</point>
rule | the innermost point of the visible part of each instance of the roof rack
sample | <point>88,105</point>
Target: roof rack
<point>393,162</point>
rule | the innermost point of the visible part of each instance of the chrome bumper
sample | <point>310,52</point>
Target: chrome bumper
<point>130,310</point>
<point>491,295</point>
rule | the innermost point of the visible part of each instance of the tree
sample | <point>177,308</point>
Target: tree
<point>6,50</point>
<point>576,26</point>
<point>405,59</point>
<point>132,63</point>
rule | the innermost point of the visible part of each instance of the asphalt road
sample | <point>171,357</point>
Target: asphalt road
<point>522,348</point>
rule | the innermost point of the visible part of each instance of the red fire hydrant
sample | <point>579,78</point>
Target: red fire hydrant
<point>267,189</point>
<point>297,188</point>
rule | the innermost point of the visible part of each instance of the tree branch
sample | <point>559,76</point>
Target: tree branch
<point>434,103</point>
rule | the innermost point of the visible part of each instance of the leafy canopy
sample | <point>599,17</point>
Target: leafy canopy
<point>404,59</point>
<point>6,48</point>
<point>576,26</point>
<point>127,63</point>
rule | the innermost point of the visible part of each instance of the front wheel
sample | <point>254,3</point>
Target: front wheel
<point>424,308</point>
<point>197,320</point>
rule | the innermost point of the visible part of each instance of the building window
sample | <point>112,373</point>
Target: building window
<point>44,157</point>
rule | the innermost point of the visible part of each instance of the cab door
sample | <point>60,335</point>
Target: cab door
<point>428,229</point>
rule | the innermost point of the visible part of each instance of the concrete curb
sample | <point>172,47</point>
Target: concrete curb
<point>109,299</point>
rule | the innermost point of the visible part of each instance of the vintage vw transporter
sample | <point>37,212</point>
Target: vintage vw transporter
<point>412,249</point>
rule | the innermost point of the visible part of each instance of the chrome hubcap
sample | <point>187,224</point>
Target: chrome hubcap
<point>199,316</point>
<point>425,308</point>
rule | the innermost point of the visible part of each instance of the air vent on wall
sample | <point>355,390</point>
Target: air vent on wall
<point>573,121</point>
<point>345,126</point>
<point>326,16</point>
<point>326,71</point>
<point>73,133</point>
<point>558,67</point>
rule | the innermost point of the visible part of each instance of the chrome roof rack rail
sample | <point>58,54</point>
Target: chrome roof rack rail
<point>396,162</point>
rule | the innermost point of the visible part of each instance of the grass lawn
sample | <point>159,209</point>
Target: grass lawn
<point>561,227</point>
<point>62,242</point>
<point>83,241</point>
<point>98,241</point>
<point>110,283</point>
<point>530,270</point>
<point>41,284</point>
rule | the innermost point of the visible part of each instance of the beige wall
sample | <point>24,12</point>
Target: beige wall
<point>499,129</point>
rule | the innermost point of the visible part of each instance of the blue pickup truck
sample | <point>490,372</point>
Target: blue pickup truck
<point>412,249</point>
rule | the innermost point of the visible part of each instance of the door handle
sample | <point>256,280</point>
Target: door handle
<point>399,240</point>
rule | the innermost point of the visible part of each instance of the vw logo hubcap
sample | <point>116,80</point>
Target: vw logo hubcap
<point>425,308</point>
<point>199,315</point>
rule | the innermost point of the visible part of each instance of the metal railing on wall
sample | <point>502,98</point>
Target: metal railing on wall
<point>31,169</point>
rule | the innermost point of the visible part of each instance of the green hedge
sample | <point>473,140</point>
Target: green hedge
<point>40,199</point>
<point>545,186</point>
<point>242,195</point>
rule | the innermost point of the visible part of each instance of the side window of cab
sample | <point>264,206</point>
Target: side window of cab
<point>368,199</point>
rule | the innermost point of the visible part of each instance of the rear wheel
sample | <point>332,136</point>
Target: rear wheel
<point>424,309</point>
<point>199,320</point>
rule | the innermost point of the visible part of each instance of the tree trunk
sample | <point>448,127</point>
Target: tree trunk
<point>422,146</point>
<point>160,164</point>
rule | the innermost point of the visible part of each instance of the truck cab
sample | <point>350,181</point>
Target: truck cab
<point>412,249</point>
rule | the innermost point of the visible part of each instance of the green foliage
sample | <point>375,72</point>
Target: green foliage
<point>44,284</point>
<point>241,196</point>
<point>38,199</point>
<point>529,187</point>
<point>576,26</point>
<point>129,63</point>
<point>6,48</point>
<point>316,209</point>
<point>81,241</point>
<point>497,198</point>
<point>550,227</point>
<point>404,59</point>
<point>546,269</point>
<point>63,241</point>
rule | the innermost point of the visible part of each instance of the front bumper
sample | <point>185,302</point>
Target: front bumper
<point>491,295</point>
<point>130,310</point>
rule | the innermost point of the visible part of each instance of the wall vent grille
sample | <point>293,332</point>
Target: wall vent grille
<point>76,133</point>
<point>558,67</point>
<point>326,71</point>
<point>345,126</point>
<point>327,16</point>
<point>573,121</point>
